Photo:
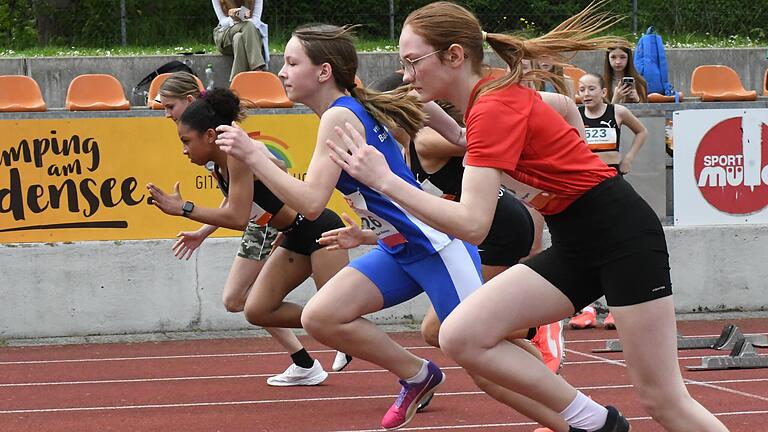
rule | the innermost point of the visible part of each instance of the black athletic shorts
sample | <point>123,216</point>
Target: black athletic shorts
<point>301,236</point>
<point>511,235</point>
<point>608,242</point>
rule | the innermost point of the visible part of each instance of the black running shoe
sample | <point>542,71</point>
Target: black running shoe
<point>615,422</point>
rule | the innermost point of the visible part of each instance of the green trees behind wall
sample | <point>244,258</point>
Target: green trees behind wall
<point>94,23</point>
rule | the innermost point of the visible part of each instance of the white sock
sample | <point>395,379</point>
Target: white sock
<point>420,376</point>
<point>588,309</point>
<point>584,413</point>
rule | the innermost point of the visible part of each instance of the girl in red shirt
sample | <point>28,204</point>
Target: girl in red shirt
<point>515,139</point>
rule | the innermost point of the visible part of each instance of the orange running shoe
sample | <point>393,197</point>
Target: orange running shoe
<point>586,319</point>
<point>609,322</point>
<point>549,341</point>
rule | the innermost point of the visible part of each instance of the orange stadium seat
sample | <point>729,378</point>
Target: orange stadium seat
<point>765,83</point>
<point>660,98</point>
<point>96,92</point>
<point>260,90</point>
<point>20,93</point>
<point>719,83</point>
<point>154,89</point>
<point>575,75</point>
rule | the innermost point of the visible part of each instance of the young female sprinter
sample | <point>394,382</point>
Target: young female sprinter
<point>259,294</point>
<point>411,257</point>
<point>516,139</point>
<point>603,122</point>
<point>516,229</point>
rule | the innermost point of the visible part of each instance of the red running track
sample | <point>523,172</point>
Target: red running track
<point>219,385</point>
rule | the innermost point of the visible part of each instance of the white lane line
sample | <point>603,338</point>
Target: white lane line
<point>685,380</point>
<point>176,357</point>
<point>504,425</point>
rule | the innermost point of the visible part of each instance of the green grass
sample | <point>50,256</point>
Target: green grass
<point>363,45</point>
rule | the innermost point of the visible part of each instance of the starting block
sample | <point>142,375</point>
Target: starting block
<point>742,356</point>
<point>728,339</point>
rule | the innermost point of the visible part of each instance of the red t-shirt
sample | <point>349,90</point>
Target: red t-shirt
<point>546,162</point>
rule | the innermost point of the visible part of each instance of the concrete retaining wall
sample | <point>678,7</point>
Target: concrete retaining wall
<point>138,286</point>
<point>55,74</point>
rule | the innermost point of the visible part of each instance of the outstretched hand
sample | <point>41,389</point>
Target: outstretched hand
<point>349,237</point>
<point>168,204</point>
<point>233,140</point>
<point>186,243</point>
<point>360,160</point>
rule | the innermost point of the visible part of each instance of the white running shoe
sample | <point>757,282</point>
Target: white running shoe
<point>299,376</point>
<point>341,361</point>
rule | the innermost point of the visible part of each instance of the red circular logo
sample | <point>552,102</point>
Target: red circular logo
<point>728,171</point>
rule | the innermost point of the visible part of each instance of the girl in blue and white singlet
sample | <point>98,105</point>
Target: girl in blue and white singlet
<point>410,257</point>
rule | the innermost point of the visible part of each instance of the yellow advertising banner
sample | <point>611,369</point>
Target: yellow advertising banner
<point>85,179</point>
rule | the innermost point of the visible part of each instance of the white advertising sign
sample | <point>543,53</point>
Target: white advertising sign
<point>721,166</point>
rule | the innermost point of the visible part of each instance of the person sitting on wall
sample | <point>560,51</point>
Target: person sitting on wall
<point>241,34</point>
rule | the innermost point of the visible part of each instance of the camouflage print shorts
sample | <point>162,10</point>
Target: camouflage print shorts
<point>257,241</point>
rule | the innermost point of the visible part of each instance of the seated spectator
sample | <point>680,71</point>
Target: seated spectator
<point>618,65</point>
<point>241,34</point>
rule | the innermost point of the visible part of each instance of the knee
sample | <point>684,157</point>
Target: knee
<point>256,315</point>
<point>456,341</point>
<point>430,332</point>
<point>236,39</point>
<point>233,303</point>
<point>316,321</point>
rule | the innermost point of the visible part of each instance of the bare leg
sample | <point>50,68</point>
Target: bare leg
<point>475,334</point>
<point>655,373</point>
<point>284,271</point>
<point>334,317</point>
<point>242,274</point>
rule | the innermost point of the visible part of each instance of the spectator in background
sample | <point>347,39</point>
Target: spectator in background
<point>603,122</point>
<point>618,64</point>
<point>241,34</point>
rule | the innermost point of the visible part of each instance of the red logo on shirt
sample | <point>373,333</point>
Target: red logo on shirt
<point>731,165</point>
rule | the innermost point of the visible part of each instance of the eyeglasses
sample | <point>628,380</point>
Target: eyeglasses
<point>410,65</point>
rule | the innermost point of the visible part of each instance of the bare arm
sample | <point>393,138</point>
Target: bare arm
<point>445,125</point>
<point>566,107</point>
<point>626,117</point>
<point>432,145</point>
<point>470,219</point>
<point>308,197</point>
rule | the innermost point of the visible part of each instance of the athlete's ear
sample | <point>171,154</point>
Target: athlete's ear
<point>455,55</point>
<point>326,73</point>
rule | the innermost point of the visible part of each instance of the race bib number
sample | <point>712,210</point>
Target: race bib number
<point>528,194</point>
<point>384,231</point>
<point>430,188</point>
<point>601,138</point>
<point>259,215</point>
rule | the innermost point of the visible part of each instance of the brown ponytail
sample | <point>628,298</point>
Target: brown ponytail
<point>443,23</point>
<point>334,45</point>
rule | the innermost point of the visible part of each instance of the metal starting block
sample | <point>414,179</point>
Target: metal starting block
<point>742,356</point>
<point>727,340</point>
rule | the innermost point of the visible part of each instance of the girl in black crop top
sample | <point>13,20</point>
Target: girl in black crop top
<point>247,199</point>
<point>603,122</point>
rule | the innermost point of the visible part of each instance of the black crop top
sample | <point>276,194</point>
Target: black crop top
<point>263,198</point>
<point>445,182</point>
<point>603,133</point>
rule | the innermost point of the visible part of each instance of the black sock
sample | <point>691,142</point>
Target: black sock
<point>302,359</point>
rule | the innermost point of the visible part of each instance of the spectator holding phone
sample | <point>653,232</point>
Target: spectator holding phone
<point>241,34</point>
<point>625,84</point>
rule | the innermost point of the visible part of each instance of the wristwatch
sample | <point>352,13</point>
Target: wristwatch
<point>187,208</point>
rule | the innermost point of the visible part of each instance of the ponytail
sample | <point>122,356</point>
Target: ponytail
<point>573,34</point>
<point>394,109</point>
